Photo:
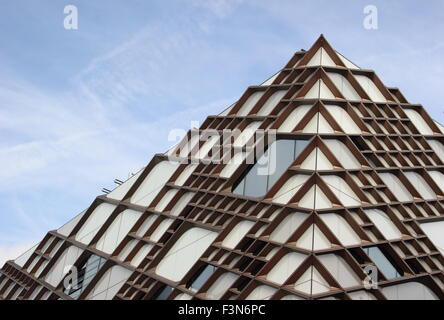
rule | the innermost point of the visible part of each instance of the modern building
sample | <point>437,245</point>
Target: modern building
<point>320,183</point>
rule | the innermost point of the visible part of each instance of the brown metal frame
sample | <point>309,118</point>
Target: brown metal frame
<point>215,208</point>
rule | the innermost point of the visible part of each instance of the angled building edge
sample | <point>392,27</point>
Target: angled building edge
<point>347,202</point>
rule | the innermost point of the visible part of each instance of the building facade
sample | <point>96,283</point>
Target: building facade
<point>320,183</point>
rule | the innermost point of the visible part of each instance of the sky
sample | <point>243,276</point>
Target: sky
<point>79,108</point>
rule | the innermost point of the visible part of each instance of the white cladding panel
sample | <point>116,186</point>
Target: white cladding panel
<point>319,91</point>
<point>207,146</point>
<point>63,265</point>
<point>67,228</point>
<point>161,205</point>
<point>271,103</point>
<point>186,173</point>
<point>190,145</point>
<point>161,229</point>
<point>221,285</point>
<point>184,253</point>
<point>361,295</point>
<point>232,165</point>
<point>343,119</point>
<point>321,58</point>
<point>250,103</point>
<point>396,186</point>
<point>141,254</point>
<point>342,190</point>
<point>246,134</point>
<point>340,270</point>
<point>271,79</point>
<point>343,154</point>
<point>341,229</point>
<point>120,192</point>
<point>384,224</point>
<point>237,234</point>
<point>262,292</point>
<point>418,121</point>
<point>118,230</point>
<point>94,222</point>
<point>287,227</point>
<point>438,178</point>
<point>370,88</point>
<point>409,291</point>
<point>153,182</point>
<point>347,62</point>
<point>317,160</point>
<point>289,189</point>
<point>294,118</point>
<point>344,86</point>
<point>181,203</point>
<point>285,267</point>
<point>438,147</point>
<point>421,185</point>
<point>435,232</point>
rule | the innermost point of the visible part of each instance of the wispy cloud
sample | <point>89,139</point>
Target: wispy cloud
<point>115,115</point>
<point>60,143</point>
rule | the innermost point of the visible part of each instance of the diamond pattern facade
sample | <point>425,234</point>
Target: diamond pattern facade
<point>350,205</point>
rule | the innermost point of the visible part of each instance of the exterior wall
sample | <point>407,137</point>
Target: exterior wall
<point>360,184</point>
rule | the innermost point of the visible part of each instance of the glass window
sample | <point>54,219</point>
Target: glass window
<point>383,263</point>
<point>86,273</point>
<point>283,153</point>
<point>163,293</point>
<point>255,185</point>
<point>269,168</point>
<point>201,277</point>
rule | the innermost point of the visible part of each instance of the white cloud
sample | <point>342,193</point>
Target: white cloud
<point>99,124</point>
<point>114,117</point>
<point>95,131</point>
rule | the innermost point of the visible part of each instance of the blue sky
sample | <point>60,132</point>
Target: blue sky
<point>79,108</point>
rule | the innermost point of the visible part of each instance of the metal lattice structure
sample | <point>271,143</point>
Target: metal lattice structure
<point>357,186</point>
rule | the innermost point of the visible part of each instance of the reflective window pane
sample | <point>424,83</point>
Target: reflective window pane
<point>300,146</point>
<point>255,184</point>
<point>282,155</point>
<point>163,293</point>
<point>269,168</point>
<point>383,264</point>
<point>240,188</point>
<point>202,277</point>
<point>85,274</point>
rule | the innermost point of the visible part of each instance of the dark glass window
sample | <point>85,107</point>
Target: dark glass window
<point>269,168</point>
<point>85,274</point>
<point>383,263</point>
<point>201,277</point>
<point>163,293</point>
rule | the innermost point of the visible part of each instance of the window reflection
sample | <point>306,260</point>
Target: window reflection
<point>163,293</point>
<point>201,277</point>
<point>86,273</point>
<point>269,168</point>
<point>382,262</point>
